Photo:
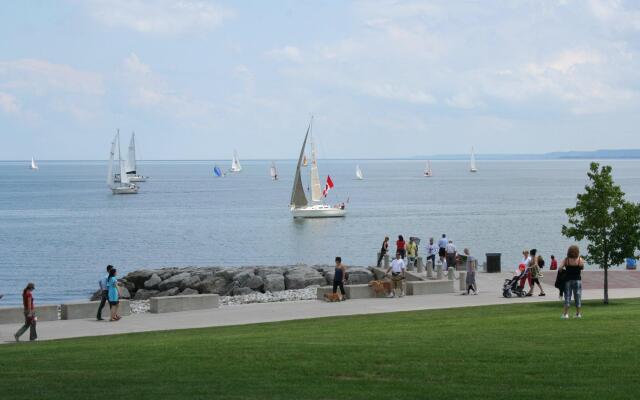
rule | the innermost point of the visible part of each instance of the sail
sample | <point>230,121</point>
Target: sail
<point>124,179</point>
<point>111,157</point>
<point>131,160</point>
<point>473,160</point>
<point>298,198</point>
<point>316,190</point>
<point>273,171</point>
<point>235,164</point>
<point>33,163</point>
<point>217,171</point>
<point>359,173</point>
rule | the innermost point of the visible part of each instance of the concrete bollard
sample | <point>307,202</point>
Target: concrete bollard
<point>386,261</point>
<point>429,270</point>
<point>439,274</point>
<point>462,277</point>
<point>420,265</point>
<point>410,266</point>
<point>451,273</point>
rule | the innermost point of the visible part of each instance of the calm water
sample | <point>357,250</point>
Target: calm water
<point>60,226</point>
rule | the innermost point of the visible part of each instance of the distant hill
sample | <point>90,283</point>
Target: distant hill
<point>557,155</point>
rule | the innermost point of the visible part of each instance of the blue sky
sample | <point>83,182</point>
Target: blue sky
<point>196,79</point>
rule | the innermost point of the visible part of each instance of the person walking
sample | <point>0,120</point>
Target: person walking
<point>397,270</point>
<point>442,248</point>
<point>401,247</point>
<point>534,272</point>
<point>452,254</point>
<point>339,276</point>
<point>573,266</point>
<point>29,314</point>
<point>383,250</point>
<point>432,251</point>
<point>554,263</point>
<point>526,260</point>
<point>104,292</point>
<point>472,265</point>
<point>113,295</point>
<point>412,252</point>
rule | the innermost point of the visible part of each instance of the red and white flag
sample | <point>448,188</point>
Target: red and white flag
<point>328,186</point>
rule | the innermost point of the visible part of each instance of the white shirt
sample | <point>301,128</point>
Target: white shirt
<point>443,243</point>
<point>526,262</point>
<point>103,282</point>
<point>451,248</point>
<point>432,250</point>
<point>397,265</point>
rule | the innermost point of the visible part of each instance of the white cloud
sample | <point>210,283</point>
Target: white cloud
<point>289,53</point>
<point>615,14</point>
<point>8,104</point>
<point>165,17</point>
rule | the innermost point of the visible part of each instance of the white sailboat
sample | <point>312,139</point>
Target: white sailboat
<point>473,167</point>
<point>131,165</point>
<point>33,166</point>
<point>273,171</point>
<point>427,172</point>
<point>359,174</point>
<point>300,207</point>
<point>235,163</point>
<point>124,186</point>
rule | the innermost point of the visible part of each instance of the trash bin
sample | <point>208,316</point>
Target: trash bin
<point>493,262</point>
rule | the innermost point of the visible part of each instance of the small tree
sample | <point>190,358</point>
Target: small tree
<point>610,224</point>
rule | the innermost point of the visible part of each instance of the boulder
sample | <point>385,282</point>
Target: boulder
<point>124,292</point>
<point>152,282</point>
<point>357,276</point>
<point>97,295</point>
<point>273,282</point>
<point>190,283</point>
<point>241,291</point>
<point>254,282</point>
<point>131,287</point>
<point>215,285</point>
<point>174,282</point>
<point>171,292</point>
<point>188,291</point>
<point>139,277</point>
<point>144,294</point>
<point>300,277</point>
<point>226,273</point>
<point>242,277</point>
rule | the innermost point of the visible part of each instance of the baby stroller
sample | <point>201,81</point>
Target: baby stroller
<point>511,286</point>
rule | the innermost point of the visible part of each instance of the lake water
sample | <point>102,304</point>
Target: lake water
<point>60,226</point>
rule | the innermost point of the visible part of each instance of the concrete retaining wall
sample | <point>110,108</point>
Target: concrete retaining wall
<point>82,310</point>
<point>353,292</point>
<point>15,315</point>
<point>183,303</point>
<point>416,288</point>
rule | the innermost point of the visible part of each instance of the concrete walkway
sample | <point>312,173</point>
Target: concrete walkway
<point>490,293</point>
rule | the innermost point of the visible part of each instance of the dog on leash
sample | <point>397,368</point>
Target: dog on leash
<point>332,297</point>
<point>380,287</point>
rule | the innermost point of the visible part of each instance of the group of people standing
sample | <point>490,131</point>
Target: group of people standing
<point>109,294</point>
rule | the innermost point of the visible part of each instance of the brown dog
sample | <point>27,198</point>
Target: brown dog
<point>380,287</point>
<point>332,297</point>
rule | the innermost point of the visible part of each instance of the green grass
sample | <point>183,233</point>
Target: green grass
<point>522,351</point>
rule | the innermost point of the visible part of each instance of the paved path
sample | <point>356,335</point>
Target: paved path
<point>271,312</point>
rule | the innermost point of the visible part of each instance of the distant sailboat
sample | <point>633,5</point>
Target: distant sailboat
<point>218,172</point>
<point>131,163</point>
<point>359,174</point>
<point>273,171</point>
<point>300,207</point>
<point>427,172</point>
<point>33,166</point>
<point>473,167</point>
<point>235,163</point>
<point>124,186</point>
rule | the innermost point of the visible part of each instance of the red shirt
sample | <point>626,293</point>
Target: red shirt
<point>554,264</point>
<point>400,244</point>
<point>27,300</point>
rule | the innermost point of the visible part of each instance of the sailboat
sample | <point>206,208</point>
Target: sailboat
<point>131,169</point>
<point>359,174</point>
<point>33,166</point>
<point>473,167</point>
<point>273,171</point>
<point>235,163</point>
<point>427,172</point>
<point>124,186</point>
<point>218,172</point>
<point>300,207</point>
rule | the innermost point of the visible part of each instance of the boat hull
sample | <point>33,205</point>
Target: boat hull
<point>133,189</point>
<point>137,178</point>
<point>318,211</point>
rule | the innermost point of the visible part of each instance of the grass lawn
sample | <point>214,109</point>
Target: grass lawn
<point>522,351</point>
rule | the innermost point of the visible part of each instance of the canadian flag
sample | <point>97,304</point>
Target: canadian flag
<point>328,186</point>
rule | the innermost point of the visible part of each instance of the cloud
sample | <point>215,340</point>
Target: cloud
<point>289,53</point>
<point>164,17</point>
<point>8,104</point>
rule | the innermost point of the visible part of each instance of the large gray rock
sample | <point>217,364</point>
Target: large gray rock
<point>254,282</point>
<point>215,285</point>
<point>300,277</point>
<point>241,291</point>
<point>131,287</point>
<point>124,293</point>
<point>152,282</point>
<point>171,292</point>
<point>144,294</point>
<point>357,276</point>
<point>188,291</point>
<point>242,277</point>
<point>139,277</point>
<point>273,282</point>
<point>191,283</point>
<point>174,282</point>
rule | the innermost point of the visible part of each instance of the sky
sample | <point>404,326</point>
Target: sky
<point>196,79</point>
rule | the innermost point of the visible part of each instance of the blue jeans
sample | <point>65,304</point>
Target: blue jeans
<point>574,287</point>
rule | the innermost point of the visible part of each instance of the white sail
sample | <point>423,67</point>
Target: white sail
<point>124,179</point>
<point>316,190</point>
<point>427,171</point>
<point>33,163</point>
<point>235,163</point>
<point>111,157</point>
<point>473,167</point>
<point>131,159</point>
<point>359,174</point>
<point>273,171</point>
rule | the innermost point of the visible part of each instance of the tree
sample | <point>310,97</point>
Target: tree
<point>609,223</point>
